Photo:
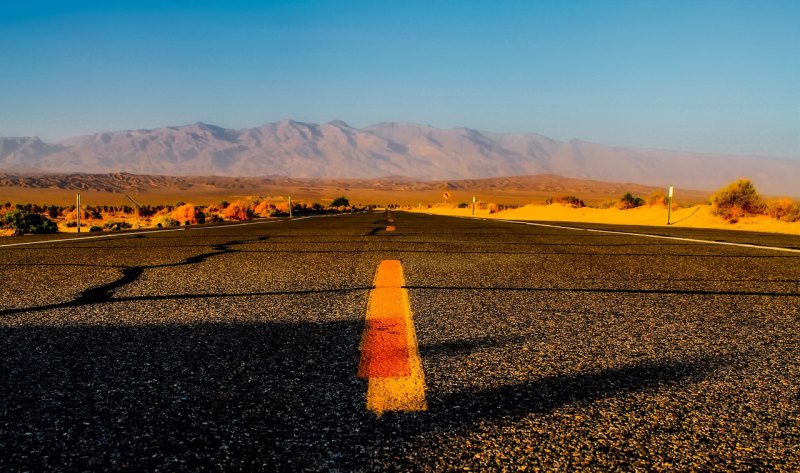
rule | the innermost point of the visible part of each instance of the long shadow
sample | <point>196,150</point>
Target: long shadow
<point>543,395</point>
<point>252,397</point>
<point>247,397</point>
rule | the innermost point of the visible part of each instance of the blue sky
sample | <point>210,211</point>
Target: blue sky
<point>714,76</point>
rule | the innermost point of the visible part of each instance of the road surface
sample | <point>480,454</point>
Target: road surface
<point>240,347</point>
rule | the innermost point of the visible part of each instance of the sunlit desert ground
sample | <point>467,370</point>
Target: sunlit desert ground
<point>697,216</point>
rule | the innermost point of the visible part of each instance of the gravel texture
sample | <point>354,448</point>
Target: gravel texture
<point>236,349</point>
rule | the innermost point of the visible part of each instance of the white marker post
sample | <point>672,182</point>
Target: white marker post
<point>290,206</point>
<point>473,205</point>
<point>78,211</point>
<point>669,205</point>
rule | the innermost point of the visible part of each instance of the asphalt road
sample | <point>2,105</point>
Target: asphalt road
<point>236,348</point>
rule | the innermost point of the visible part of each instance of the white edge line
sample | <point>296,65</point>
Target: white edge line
<point>44,242</point>
<point>650,235</point>
<point>646,235</point>
<point>234,225</point>
<point>262,222</point>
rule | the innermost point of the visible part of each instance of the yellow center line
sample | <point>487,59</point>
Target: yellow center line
<point>389,353</point>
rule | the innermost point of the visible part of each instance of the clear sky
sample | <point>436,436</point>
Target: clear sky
<point>716,76</point>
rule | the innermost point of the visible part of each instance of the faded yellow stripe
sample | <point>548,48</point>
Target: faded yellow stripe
<point>390,299</point>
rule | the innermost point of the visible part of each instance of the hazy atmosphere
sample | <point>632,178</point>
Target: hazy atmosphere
<point>552,235</point>
<point>712,76</point>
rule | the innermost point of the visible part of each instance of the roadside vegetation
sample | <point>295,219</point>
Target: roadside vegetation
<point>570,200</point>
<point>18,219</point>
<point>21,220</point>
<point>735,201</point>
<point>740,199</point>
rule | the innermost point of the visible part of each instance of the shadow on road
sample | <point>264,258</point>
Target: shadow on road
<point>258,396</point>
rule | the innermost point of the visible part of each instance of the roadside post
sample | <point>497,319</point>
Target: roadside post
<point>290,206</point>
<point>473,205</point>
<point>78,211</point>
<point>669,205</point>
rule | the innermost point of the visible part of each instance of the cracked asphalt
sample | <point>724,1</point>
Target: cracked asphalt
<point>235,348</point>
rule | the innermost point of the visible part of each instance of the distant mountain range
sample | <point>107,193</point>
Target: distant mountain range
<point>337,150</point>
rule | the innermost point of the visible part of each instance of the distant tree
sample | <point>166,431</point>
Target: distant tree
<point>340,202</point>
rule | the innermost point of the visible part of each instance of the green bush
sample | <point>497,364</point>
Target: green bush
<point>736,200</point>
<point>629,201</point>
<point>340,202</point>
<point>22,221</point>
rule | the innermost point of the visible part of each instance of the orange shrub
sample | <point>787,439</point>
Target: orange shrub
<point>784,209</point>
<point>238,210</point>
<point>189,213</point>
<point>737,200</point>
<point>657,199</point>
<point>263,208</point>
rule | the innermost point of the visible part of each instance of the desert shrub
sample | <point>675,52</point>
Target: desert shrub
<point>22,221</point>
<point>213,217</point>
<point>463,205</point>
<point>493,208</point>
<point>95,228</point>
<point>73,215</point>
<point>784,209</point>
<point>189,213</point>
<point>145,211</point>
<point>164,220</point>
<point>566,200</point>
<point>738,199</point>
<point>238,210</point>
<point>657,199</point>
<point>629,201</point>
<point>119,224</point>
<point>264,209</point>
<point>53,211</point>
<point>341,201</point>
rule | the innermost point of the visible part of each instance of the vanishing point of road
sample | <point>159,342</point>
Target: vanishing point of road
<point>266,346</point>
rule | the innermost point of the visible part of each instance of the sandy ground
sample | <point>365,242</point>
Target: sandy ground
<point>698,216</point>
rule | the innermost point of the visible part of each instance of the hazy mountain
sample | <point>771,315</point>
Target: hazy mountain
<point>336,150</point>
